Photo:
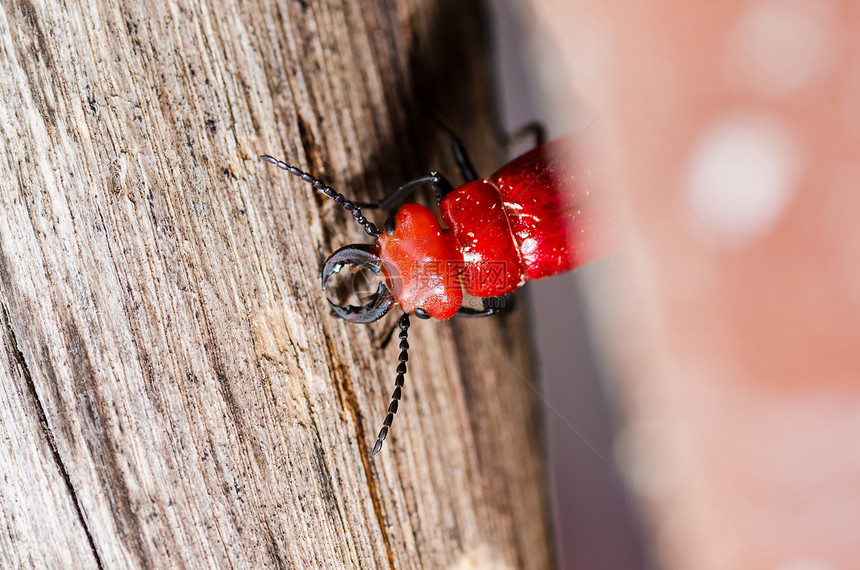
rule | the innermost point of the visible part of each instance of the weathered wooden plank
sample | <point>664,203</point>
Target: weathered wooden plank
<point>163,326</point>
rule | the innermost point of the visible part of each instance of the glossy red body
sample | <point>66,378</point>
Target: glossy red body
<point>529,220</point>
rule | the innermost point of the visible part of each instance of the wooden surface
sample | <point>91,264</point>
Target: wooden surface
<point>175,391</point>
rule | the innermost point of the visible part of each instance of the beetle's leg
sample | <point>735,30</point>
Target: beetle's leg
<point>534,129</point>
<point>386,338</point>
<point>436,181</point>
<point>461,157</point>
<point>492,306</point>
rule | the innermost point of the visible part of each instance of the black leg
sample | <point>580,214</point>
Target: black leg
<point>440,185</point>
<point>386,338</point>
<point>492,306</point>
<point>461,157</point>
<point>436,181</point>
<point>533,129</point>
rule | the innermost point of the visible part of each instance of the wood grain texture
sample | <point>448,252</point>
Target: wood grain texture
<point>175,392</point>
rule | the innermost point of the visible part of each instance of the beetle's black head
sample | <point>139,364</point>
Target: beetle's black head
<point>359,256</point>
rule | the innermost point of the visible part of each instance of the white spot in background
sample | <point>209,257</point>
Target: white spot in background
<point>741,175</point>
<point>779,45</point>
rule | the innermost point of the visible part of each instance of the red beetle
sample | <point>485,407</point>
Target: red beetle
<point>531,219</point>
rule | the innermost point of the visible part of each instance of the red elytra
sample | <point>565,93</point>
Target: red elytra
<point>533,218</point>
<point>529,220</point>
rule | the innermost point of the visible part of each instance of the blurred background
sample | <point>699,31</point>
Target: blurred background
<point>701,386</point>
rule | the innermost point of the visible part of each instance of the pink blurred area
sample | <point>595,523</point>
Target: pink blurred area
<point>729,318</point>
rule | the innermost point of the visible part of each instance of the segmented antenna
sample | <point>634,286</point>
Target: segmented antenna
<point>403,323</point>
<point>350,207</point>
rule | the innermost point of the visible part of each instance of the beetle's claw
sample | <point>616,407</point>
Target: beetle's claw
<point>359,255</point>
<point>379,304</point>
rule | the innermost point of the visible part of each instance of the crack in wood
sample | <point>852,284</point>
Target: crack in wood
<point>49,435</point>
<point>352,405</point>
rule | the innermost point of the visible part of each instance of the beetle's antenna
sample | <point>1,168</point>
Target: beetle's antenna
<point>403,323</point>
<point>350,207</point>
